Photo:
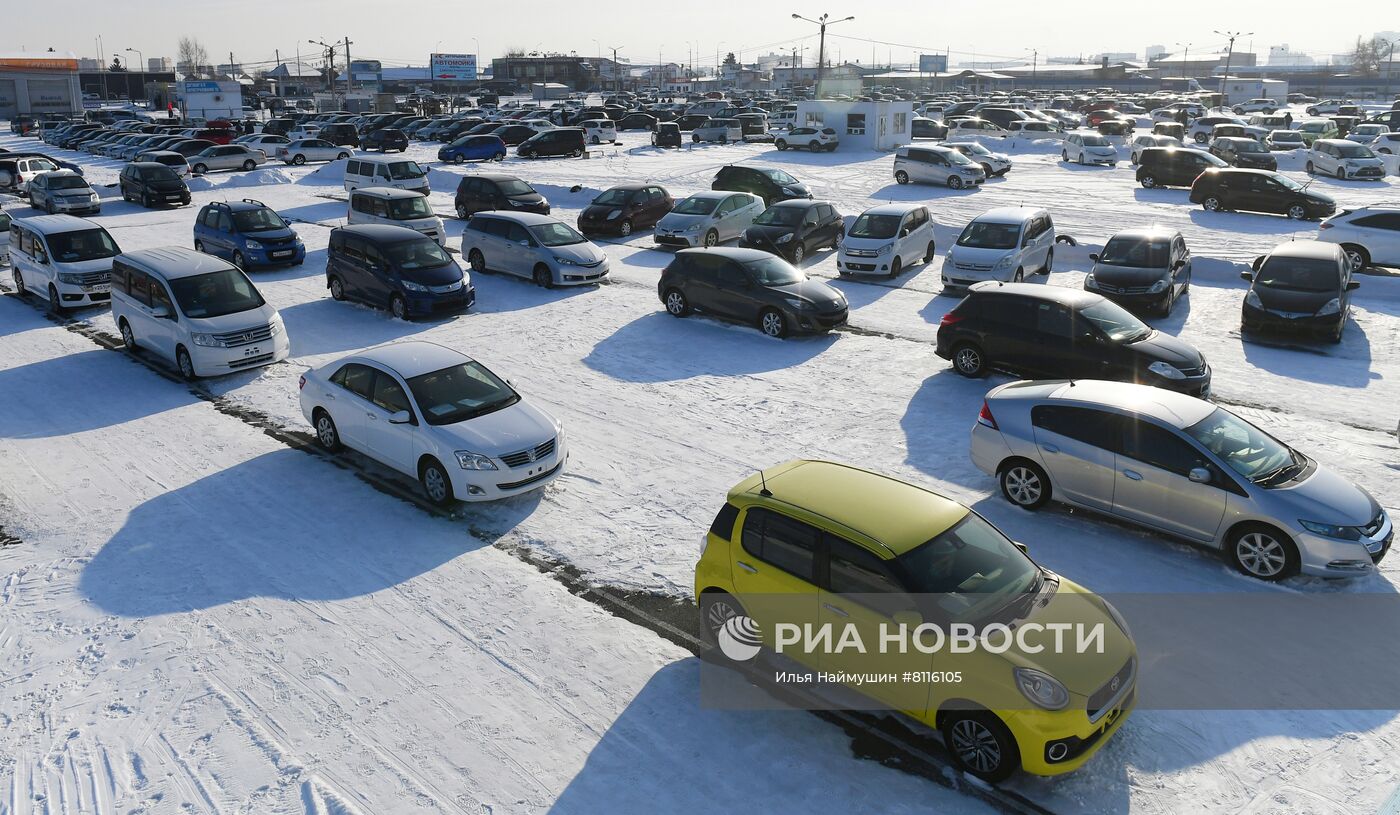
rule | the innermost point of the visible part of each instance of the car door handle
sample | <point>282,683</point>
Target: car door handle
<point>1049,448</point>
<point>371,415</point>
<point>330,396</point>
<point>1133,474</point>
<point>746,567</point>
<point>837,610</point>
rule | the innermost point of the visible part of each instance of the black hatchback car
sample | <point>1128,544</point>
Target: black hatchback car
<point>395,268</point>
<point>1259,191</point>
<point>492,191</point>
<point>793,229</point>
<point>626,207</point>
<point>1300,286</point>
<point>514,134</point>
<point>385,139</point>
<point>152,184</point>
<point>1173,166</point>
<point>1052,332</point>
<point>1242,151</point>
<point>561,141</point>
<point>749,286</point>
<point>768,183</point>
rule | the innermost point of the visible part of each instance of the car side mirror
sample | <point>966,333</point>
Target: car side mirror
<point>1199,475</point>
<point>400,417</point>
<point>1021,546</point>
<point>1247,276</point>
<point>1179,264</point>
<point>160,312</point>
<point>524,243</point>
<point>1094,257</point>
<point>1353,285</point>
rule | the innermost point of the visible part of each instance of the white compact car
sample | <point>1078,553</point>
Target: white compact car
<point>437,415</point>
<point>597,131</point>
<point>886,239</point>
<point>1005,244</point>
<point>1369,235</point>
<point>536,247</point>
<point>993,164</point>
<point>196,310</point>
<point>1366,132</point>
<point>1386,144</point>
<point>975,128</point>
<point>1344,159</point>
<point>64,259</point>
<point>708,218</point>
<point>1089,148</point>
<point>386,205</point>
<point>1033,129</point>
<point>266,143</point>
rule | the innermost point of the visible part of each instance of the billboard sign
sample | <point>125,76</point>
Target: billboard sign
<point>366,70</point>
<point>933,63</point>
<point>452,67</point>
<point>199,87</point>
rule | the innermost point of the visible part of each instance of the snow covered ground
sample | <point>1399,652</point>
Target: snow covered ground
<point>196,615</point>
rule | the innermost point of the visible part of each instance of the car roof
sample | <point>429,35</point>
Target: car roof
<point>175,262</point>
<point>1169,407</point>
<point>718,194</point>
<point>1074,298</point>
<point>493,177</point>
<point>1009,215</point>
<point>522,218</point>
<point>893,209</point>
<point>1319,250</point>
<point>389,192</point>
<point>409,358</point>
<point>382,233</point>
<point>734,253</point>
<point>631,185</point>
<point>900,515</point>
<point>54,224</point>
<point>1154,231</point>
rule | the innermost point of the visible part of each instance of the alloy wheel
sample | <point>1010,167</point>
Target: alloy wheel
<point>1023,485</point>
<point>976,746</point>
<point>1261,554</point>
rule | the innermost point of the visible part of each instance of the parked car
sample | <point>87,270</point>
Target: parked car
<point>5,222</point>
<point>1324,107</point>
<point>494,191</point>
<point>751,287</point>
<point>992,164</point>
<point>195,310</point>
<point>396,268</point>
<point>876,553</point>
<point>473,148</point>
<point>1006,244</point>
<point>150,183</point>
<point>769,183</point>
<point>190,147</point>
<point>689,121</point>
<point>15,172</point>
<point>300,151</point>
<point>598,131</point>
<point>1240,151</point>
<point>973,128</point>
<point>1145,141</point>
<point>1142,268</point>
<point>436,415</point>
<point>1035,129</point>
<point>1088,148</point>
<point>708,219</point>
<point>66,260</point>
<point>622,209</point>
<point>1386,144</point>
<point>885,239</point>
<point>1369,235</point>
<point>1302,286</point>
<point>1344,160</point>
<point>1181,466</point>
<point>385,139</point>
<point>1267,106</point>
<point>923,128</point>
<point>1316,129</point>
<point>264,142</point>
<point>559,141</point>
<point>936,165</point>
<point>341,134</point>
<point>1366,132</point>
<point>718,130</point>
<point>514,134</point>
<point>1259,191</point>
<point>395,207</point>
<point>815,139</point>
<point>381,171</point>
<point>1201,129</point>
<point>535,247</point>
<point>1173,167</point>
<point>667,134</point>
<point>1285,140</point>
<point>63,191</point>
<point>226,157</point>
<point>1173,130</point>
<point>793,229</point>
<point>248,233</point>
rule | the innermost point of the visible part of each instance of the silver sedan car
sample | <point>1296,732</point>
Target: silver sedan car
<point>226,157</point>
<point>1181,466</point>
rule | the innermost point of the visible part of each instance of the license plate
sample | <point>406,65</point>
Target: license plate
<point>252,351</point>
<point>284,253</point>
<point>172,198</point>
<point>98,288</point>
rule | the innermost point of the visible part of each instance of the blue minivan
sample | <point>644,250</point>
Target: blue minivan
<point>397,268</point>
<point>473,148</point>
<point>248,233</point>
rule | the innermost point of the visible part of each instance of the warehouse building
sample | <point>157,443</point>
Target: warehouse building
<point>35,84</point>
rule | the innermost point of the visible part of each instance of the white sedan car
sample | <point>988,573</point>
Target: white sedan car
<point>304,150</point>
<point>437,415</point>
<point>266,142</point>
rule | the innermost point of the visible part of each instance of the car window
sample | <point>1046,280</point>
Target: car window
<point>388,393</point>
<point>1094,427</point>
<point>1054,320</point>
<point>356,378</point>
<point>852,570</point>
<point>1156,446</point>
<point>140,287</point>
<point>516,233</point>
<point>782,542</point>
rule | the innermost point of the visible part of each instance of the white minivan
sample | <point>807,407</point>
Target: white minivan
<point>4,238</point>
<point>885,239</point>
<point>386,205</point>
<point>196,310</point>
<point>381,171</point>
<point>66,259</point>
<point>597,131</point>
<point>1006,243</point>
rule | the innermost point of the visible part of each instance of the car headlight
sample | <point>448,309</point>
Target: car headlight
<point>786,238</point>
<point>1117,618</point>
<point>1346,533</point>
<point>1333,306</point>
<point>797,303</point>
<point>1005,261</point>
<point>563,261</point>
<point>692,228</point>
<point>1041,688</point>
<point>70,279</point>
<point>411,286</point>
<point>883,250</point>
<point>252,244</point>
<point>1158,287</point>
<point>474,461</point>
<point>614,215</point>
<point>1166,370</point>
<point>275,325</point>
<point>790,191</point>
<point>1252,300</point>
<point>206,340</point>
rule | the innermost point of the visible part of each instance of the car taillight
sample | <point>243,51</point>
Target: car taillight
<point>1325,225</point>
<point>951,318</point>
<point>301,381</point>
<point>985,417</point>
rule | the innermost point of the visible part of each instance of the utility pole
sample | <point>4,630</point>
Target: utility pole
<point>350,75</point>
<point>822,21</point>
<point>617,75</point>
<point>1229,54</point>
<point>1035,59</point>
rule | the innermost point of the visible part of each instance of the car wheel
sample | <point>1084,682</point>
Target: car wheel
<point>1079,159</point>
<point>724,139</point>
<point>968,361</point>
<point>145,200</point>
<point>1359,257</point>
<point>928,253</point>
<point>1263,552</point>
<point>20,290</point>
<point>249,165</point>
<point>199,169</point>
<point>1148,181</point>
<point>1164,309</point>
<point>955,182</point>
<point>326,433</point>
<point>298,159</point>
<point>980,744</point>
<point>477,261</point>
<point>436,485</point>
<point>676,304</point>
<point>781,144</point>
<point>896,266</point>
<point>594,140</point>
<point>398,307</point>
<point>1341,174</point>
<point>1064,155</point>
<point>1024,484</point>
<point>55,301</point>
<point>337,288</point>
<point>1212,204</point>
<point>711,238</point>
<point>543,277</point>
<point>576,153</point>
<point>1309,168</point>
<point>695,138</point>
<point>48,205</point>
<point>458,158</point>
<point>901,177</point>
<point>462,213</point>
<point>814,147</point>
<point>238,259</point>
<point>1297,212</point>
<point>716,609</point>
<point>771,322</point>
<point>1335,335</point>
<point>183,361</point>
<point>625,228</point>
<point>987,169</point>
<point>340,156</point>
<point>1019,275</point>
<point>128,336</point>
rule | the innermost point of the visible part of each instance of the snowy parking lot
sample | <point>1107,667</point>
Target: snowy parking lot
<point>197,613</point>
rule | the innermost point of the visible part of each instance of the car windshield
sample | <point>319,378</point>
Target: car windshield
<point>1146,253</point>
<point>615,197</point>
<point>780,216</point>
<point>67,182</point>
<point>1354,150</point>
<point>86,244</point>
<point>988,235</point>
<point>875,226</point>
<point>1116,322</point>
<point>696,206</point>
<point>401,170</point>
<point>1287,182</point>
<point>257,220</point>
<point>1095,141</point>
<point>774,271</point>
<point>972,569</point>
<point>514,186</point>
<point>556,234</point>
<point>423,253</point>
<point>778,176</point>
<point>404,209</point>
<point>459,393</point>
<point>1243,447</point>
<point>1300,274</point>
<point>215,294</point>
<point>1250,146</point>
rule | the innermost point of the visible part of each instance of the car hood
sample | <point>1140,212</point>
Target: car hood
<point>1319,198</point>
<point>518,427</point>
<point>1327,497</point>
<point>77,267</point>
<point>527,199</point>
<point>584,253</point>
<point>765,234</point>
<point>799,188</point>
<point>599,212</point>
<point>815,292</point>
<point>252,318</point>
<point>868,244</point>
<point>1159,346</point>
<point>1080,673</point>
<point>433,276</point>
<point>676,220</point>
<point>283,234</point>
<point>1364,162</point>
<point>1257,160</point>
<point>1290,300</point>
<point>1126,275</point>
<point>981,257</point>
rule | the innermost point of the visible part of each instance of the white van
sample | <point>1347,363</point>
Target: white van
<point>4,238</point>
<point>386,205</point>
<point>65,259</point>
<point>886,239</point>
<point>597,131</point>
<point>381,171</point>
<point>1005,244</point>
<point>196,310</point>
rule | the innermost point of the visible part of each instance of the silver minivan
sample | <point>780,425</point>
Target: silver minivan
<point>936,165</point>
<point>1181,466</point>
<point>718,130</point>
<point>1006,243</point>
<point>386,205</point>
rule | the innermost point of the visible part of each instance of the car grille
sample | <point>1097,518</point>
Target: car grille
<point>1191,373</point>
<point>233,339</point>
<point>446,288</point>
<point>860,253</point>
<point>248,362</point>
<point>672,240</point>
<point>973,267</point>
<point>524,457</point>
<point>861,267</point>
<point>94,278</point>
<point>1118,684</point>
<point>532,479</point>
<point>1369,172</point>
<point>1125,289</point>
<point>277,241</point>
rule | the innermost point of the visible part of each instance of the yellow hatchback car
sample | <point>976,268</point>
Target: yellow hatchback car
<point>809,557</point>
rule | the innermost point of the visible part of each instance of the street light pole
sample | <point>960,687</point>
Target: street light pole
<point>1185,56</point>
<point>139,56</point>
<point>1035,58</point>
<point>822,21</point>
<point>617,75</point>
<point>1229,54</point>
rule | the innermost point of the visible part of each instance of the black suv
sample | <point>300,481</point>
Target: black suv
<point>792,229</point>
<point>1052,332</point>
<point>1173,166</point>
<point>667,134</point>
<point>1259,191</point>
<point>561,141</point>
<point>151,183</point>
<point>385,139</point>
<point>340,134</point>
<point>507,193</point>
<point>768,183</point>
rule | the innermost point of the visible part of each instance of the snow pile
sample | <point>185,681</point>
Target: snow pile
<point>332,173</point>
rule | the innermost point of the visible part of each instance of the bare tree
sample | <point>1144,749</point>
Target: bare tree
<point>1367,56</point>
<point>192,55</point>
<point>515,51</point>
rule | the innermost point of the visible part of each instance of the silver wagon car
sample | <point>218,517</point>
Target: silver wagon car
<point>1181,466</point>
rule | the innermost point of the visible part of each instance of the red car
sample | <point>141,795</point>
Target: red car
<point>217,135</point>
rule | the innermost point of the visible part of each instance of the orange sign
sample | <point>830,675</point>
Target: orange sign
<point>38,64</point>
